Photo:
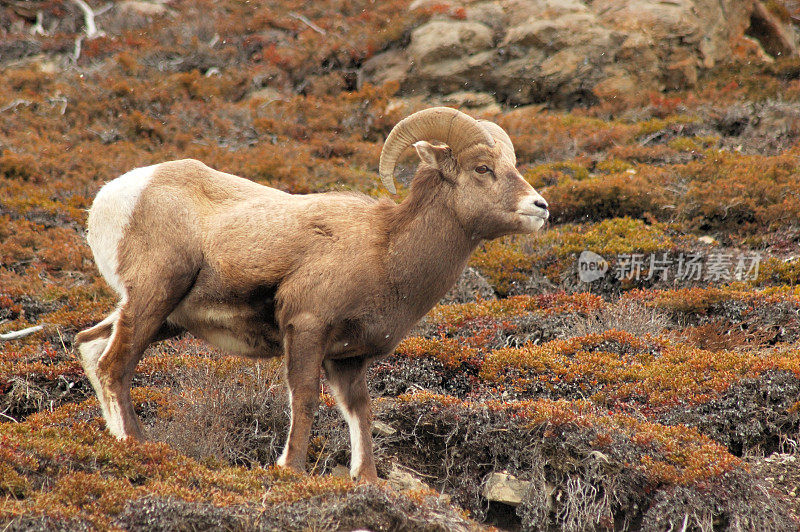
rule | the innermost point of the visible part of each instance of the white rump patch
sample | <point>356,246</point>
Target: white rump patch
<point>109,216</point>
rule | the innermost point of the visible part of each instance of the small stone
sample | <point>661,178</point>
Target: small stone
<point>146,9</point>
<point>379,428</point>
<point>340,471</point>
<point>505,488</point>
<point>47,67</point>
<point>266,94</point>
<point>403,480</point>
<point>615,87</point>
<point>384,67</point>
<point>570,30</point>
<point>469,99</point>
<point>441,40</point>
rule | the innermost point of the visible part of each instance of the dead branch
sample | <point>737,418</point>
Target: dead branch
<point>22,333</point>
<point>14,105</point>
<point>307,22</point>
<point>88,18</point>
<point>38,29</point>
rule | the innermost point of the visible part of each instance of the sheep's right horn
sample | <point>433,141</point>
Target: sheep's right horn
<point>501,136</point>
<point>438,124</point>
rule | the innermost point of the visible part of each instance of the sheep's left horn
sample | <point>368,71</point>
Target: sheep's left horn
<point>442,124</point>
<point>502,137</point>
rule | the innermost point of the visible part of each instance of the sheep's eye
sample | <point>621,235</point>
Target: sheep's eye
<point>482,169</point>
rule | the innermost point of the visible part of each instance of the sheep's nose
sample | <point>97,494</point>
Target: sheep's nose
<point>542,204</point>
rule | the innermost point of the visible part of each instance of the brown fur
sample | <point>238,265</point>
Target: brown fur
<point>330,280</point>
<point>101,330</point>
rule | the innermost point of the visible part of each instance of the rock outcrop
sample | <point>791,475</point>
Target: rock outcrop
<point>568,52</point>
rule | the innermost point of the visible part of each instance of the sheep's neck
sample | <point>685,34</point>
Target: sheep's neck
<point>427,252</point>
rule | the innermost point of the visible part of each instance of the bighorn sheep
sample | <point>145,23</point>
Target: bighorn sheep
<point>332,280</point>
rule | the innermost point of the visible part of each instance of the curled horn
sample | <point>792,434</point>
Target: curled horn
<point>499,134</point>
<point>438,124</point>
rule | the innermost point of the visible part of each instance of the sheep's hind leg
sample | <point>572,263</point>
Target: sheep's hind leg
<point>114,372</point>
<point>91,344</point>
<point>347,379</point>
<point>139,321</point>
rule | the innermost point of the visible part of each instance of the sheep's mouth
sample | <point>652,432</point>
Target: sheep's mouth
<point>543,216</point>
<point>532,221</point>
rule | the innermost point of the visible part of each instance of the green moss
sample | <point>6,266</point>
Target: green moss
<point>774,271</point>
<point>632,191</point>
<point>609,237</point>
<point>684,144</point>
<point>615,367</point>
<point>508,262</point>
<point>655,125</point>
<point>454,317</point>
<point>503,262</point>
<point>552,173</point>
<point>613,166</point>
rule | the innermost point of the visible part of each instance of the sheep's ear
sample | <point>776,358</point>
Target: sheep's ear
<point>435,156</point>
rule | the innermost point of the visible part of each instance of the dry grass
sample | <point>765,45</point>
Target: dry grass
<point>235,414</point>
<point>625,316</point>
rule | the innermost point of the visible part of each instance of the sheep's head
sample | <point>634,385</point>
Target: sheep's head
<point>476,161</point>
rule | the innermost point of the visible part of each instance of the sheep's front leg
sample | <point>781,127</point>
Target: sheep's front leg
<point>304,350</point>
<point>347,379</point>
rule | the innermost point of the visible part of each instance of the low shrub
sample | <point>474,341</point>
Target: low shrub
<point>588,469</point>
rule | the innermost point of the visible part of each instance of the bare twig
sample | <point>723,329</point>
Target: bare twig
<point>649,138</point>
<point>418,473</point>
<point>105,8</point>
<point>22,333</point>
<point>60,100</point>
<point>685,523</point>
<point>319,455</point>
<point>307,22</point>
<point>77,53</point>
<point>9,417</point>
<point>38,29</point>
<point>61,338</point>
<point>88,18</point>
<point>15,104</point>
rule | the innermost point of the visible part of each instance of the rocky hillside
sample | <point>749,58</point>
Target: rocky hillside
<point>635,366</point>
<point>569,52</point>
